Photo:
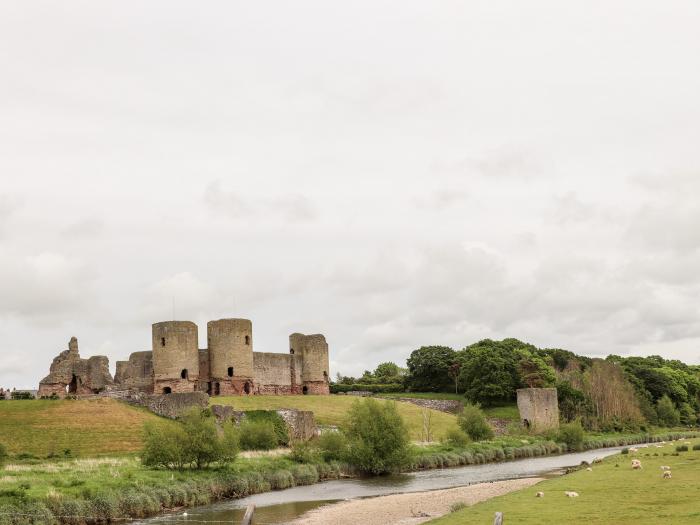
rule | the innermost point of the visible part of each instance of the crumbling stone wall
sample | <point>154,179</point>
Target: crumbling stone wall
<point>539,408</point>
<point>176,404</point>
<point>70,374</point>
<point>301,424</point>
<point>136,373</point>
<point>277,374</point>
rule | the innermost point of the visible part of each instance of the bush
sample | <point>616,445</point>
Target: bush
<point>257,435</point>
<point>303,452</point>
<point>377,437</point>
<point>388,388</point>
<point>458,506</point>
<point>625,451</point>
<point>696,446</point>
<point>456,438</point>
<point>195,442</point>
<point>682,448</point>
<point>474,424</point>
<point>3,455</point>
<point>272,417</point>
<point>332,445</point>
<point>572,434</point>
<point>667,413</point>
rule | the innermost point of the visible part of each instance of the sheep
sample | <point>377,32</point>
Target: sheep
<point>667,474</point>
<point>539,495</point>
<point>597,460</point>
<point>570,494</point>
<point>634,450</point>
<point>636,464</point>
<point>589,469</point>
<point>665,467</point>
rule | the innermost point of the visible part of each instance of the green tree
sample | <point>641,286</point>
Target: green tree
<point>473,422</point>
<point>164,446</point>
<point>388,373</point>
<point>428,369</point>
<point>667,413</point>
<point>489,373</point>
<point>377,437</point>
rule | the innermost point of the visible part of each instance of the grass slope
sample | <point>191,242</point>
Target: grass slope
<point>608,494</point>
<point>86,427</point>
<point>332,410</point>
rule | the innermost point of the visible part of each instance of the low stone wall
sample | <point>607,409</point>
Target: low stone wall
<point>301,424</point>
<point>166,405</point>
<point>451,406</point>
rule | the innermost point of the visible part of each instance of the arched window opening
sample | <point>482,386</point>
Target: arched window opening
<point>526,423</point>
<point>325,376</point>
<point>217,389</point>
<point>246,387</point>
<point>167,390</point>
<point>247,339</point>
<point>305,390</point>
<point>230,371</point>
<point>73,386</point>
<point>162,341</point>
<point>184,374</point>
<point>291,351</point>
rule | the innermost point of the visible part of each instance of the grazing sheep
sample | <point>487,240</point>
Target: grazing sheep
<point>597,460</point>
<point>636,464</point>
<point>634,450</point>
<point>667,474</point>
<point>571,494</point>
<point>539,495</point>
<point>589,469</point>
<point>665,467</point>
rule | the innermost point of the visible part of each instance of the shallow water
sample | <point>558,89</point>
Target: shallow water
<point>283,506</point>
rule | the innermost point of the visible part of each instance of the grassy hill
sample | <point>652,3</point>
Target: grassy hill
<point>611,493</point>
<point>331,410</point>
<point>86,427</point>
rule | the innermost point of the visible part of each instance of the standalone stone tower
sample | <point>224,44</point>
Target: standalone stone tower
<point>230,344</point>
<point>175,357</point>
<point>539,408</point>
<point>313,351</point>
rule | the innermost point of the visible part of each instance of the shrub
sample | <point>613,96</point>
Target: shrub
<point>625,451</point>
<point>377,437</point>
<point>572,434</point>
<point>332,445</point>
<point>303,452</point>
<point>305,474</point>
<point>667,413</point>
<point>164,447</point>
<point>696,446</point>
<point>3,455</point>
<point>456,438</point>
<point>272,417</point>
<point>682,448</point>
<point>474,424</point>
<point>257,435</point>
<point>458,506</point>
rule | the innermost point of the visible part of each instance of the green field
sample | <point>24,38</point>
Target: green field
<point>608,494</point>
<point>332,410</point>
<point>86,427</point>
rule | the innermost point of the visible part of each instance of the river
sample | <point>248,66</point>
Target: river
<point>282,506</point>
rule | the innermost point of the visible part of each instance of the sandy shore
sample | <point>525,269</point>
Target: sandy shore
<point>408,509</point>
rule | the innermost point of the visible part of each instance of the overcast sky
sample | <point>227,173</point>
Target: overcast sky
<point>391,174</point>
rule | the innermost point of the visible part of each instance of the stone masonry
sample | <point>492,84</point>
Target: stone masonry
<point>539,408</point>
<point>175,364</point>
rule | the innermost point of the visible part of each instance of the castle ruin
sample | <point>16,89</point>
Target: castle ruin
<point>539,408</point>
<point>228,366</point>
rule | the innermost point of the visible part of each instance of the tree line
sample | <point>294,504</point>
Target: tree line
<point>615,393</point>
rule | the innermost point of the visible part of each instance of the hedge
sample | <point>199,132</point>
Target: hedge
<point>375,389</point>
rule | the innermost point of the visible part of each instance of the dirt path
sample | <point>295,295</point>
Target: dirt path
<point>408,509</point>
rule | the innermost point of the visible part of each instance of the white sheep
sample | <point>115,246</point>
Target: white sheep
<point>589,469</point>
<point>570,494</point>
<point>667,474</point>
<point>636,464</point>
<point>597,460</point>
<point>634,450</point>
<point>665,467</point>
<point>539,495</point>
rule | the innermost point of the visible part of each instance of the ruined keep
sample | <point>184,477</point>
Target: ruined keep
<point>175,364</point>
<point>539,408</point>
<point>70,374</point>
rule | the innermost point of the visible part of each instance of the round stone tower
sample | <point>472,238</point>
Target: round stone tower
<point>313,351</point>
<point>175,357</point>
<point>230,343</point>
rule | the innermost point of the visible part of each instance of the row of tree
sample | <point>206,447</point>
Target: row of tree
<point>612,393</point>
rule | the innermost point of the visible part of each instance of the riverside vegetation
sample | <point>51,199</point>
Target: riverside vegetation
<point>193,462</point>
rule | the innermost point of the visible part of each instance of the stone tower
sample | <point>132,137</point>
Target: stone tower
<point>175,357</point>
<point>539,408</point>
<point>313,350</point>
<point>230,343</point>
